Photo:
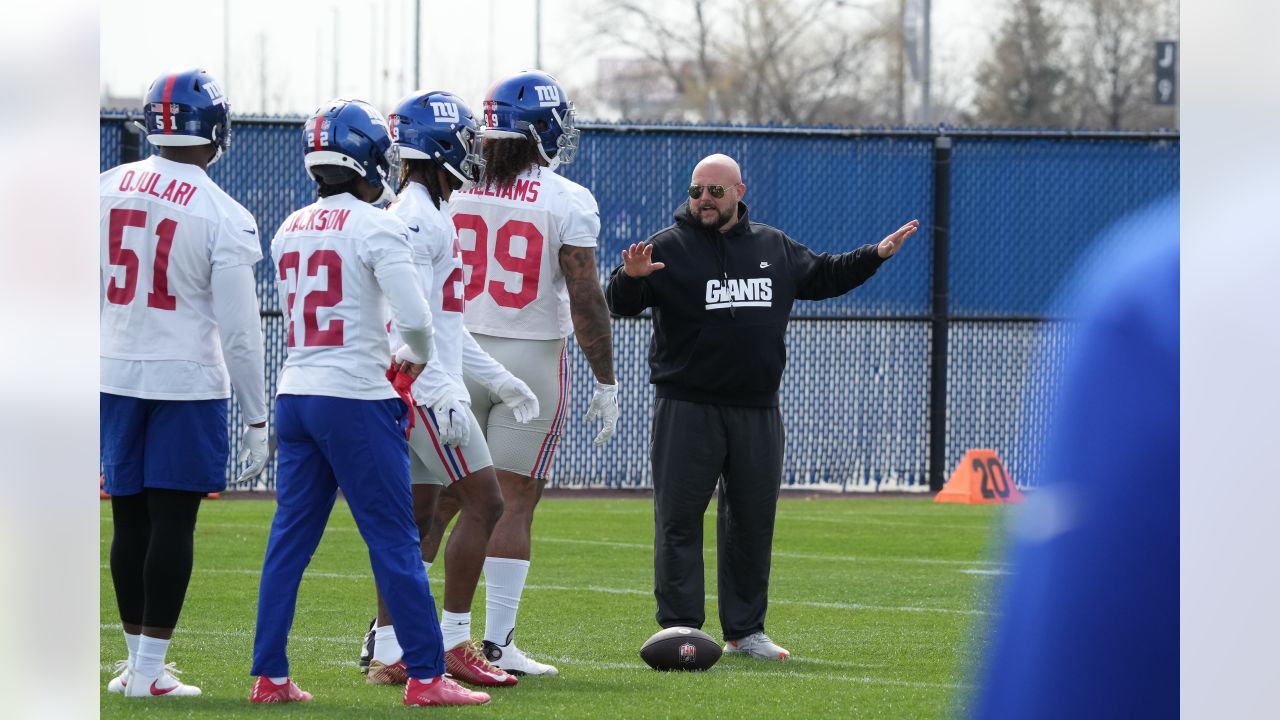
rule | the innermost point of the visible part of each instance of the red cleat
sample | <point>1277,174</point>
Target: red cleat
<point>466,663</point>
<point>265,691</point>
<point>441,691</point>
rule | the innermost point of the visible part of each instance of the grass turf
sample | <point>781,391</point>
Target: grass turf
<point>878,601</point>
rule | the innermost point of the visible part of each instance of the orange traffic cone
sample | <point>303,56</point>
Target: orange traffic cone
<point>979,478</point>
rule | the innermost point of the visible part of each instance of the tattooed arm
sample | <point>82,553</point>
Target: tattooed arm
<point>588,309</point>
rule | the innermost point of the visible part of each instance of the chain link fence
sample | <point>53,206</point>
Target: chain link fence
<point>1023,209</point>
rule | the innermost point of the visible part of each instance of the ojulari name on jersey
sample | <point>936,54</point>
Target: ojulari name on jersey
<point>526,190</point>
<point>146,182</point>
<point>317,219</point>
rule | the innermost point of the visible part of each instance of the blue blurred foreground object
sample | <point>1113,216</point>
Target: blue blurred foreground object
<point>1089,615</point>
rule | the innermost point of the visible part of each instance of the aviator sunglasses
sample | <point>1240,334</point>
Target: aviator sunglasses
<point>717,191</point>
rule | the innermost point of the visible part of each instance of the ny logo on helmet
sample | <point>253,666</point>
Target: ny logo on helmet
<point>548,95</point>
<point>445,112</point>
<point>215,93</point>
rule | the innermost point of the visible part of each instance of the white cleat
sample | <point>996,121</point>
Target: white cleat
<point>164,684</point>
<point>756,645</point>
<point>119,681</point>
<point>513,660</point>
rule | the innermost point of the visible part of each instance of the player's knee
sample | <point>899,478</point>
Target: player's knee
<point>425,519</point>
<point>489,510</point>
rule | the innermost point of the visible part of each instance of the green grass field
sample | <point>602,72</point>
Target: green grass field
<point>879,601</point>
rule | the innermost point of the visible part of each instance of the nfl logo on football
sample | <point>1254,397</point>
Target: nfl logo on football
<point>688,653</point>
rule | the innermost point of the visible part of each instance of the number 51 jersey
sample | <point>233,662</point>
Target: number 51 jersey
<point>165,227</point>
<point>511,239</point>
<point>327,258</point>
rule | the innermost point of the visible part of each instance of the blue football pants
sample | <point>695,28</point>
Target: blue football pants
<point>327,443</point>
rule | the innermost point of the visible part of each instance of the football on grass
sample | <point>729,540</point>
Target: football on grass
<point>680,648</point>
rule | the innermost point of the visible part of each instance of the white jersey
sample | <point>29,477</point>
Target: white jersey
<point>439,261</point>
<point>328,258</point>
<point>511,242</point>
<point>165,227</point>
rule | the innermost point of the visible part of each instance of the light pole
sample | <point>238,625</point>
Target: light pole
<point>925,71</point>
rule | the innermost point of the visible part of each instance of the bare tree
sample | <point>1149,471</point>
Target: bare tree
<point>1114,59</point>
<point>1025,82</point>
<point>756,61</point>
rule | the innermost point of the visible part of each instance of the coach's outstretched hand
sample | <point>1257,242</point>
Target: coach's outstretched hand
<point>637,260</point>
<point>890,245</point>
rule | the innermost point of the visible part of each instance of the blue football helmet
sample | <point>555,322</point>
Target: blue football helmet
<point>188,108</point>
<point>531,104</point>
<point>438,126</point>
<point>350,134</point>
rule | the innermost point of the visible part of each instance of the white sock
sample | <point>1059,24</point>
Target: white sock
<point>386,648</point>
<point>132,642</point>
<point>426,566</point>
<point>456,628</point>
<point>279,680</point>
<point>151,652</point>
<point>504,583</point>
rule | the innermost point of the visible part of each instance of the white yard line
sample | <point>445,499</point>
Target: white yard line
<point>649,547</point>
<point>779,670</point>
<point>634,593</point>
<point>785,554</point>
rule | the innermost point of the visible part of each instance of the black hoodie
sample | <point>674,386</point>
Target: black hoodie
<point>721,305</point>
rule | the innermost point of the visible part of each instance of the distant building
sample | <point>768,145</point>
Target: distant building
<point>110,101</point>
<point>640,89</point>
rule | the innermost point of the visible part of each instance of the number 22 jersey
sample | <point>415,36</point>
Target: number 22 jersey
<point>511,239</point>
<point>333,260</point>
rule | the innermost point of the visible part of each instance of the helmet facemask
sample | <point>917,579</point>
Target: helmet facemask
<point>471,168</point>
<point>388,167</point>
<point>566,142</point>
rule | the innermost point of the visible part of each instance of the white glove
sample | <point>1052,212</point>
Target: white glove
<point>604,405</point>
<point>406,354</point>
<point>516,395</point>
<point>453,420</point>
<point>254,450</point>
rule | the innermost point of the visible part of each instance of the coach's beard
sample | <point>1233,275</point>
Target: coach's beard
<point>721,218</point>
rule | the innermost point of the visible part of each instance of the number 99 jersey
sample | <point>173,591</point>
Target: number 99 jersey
<point>511,239</point>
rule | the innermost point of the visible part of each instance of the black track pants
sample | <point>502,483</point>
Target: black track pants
<point>694,447</point>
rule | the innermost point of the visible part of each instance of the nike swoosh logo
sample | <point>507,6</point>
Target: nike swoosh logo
<point>764,265</point>
<point>252,232</point>
<point>157,691</point>
<point>413,228</point>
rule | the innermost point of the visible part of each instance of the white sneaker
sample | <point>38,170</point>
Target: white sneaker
<point>757,645</point>
<point>512,659</point>
<point>119,681</point>
<point>166,683</point>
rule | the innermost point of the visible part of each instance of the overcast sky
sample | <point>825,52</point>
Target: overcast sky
<point>292,43</point>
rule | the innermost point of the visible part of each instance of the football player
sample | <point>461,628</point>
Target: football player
<point>438,140</point>
<point>528,237</point>
<point>179,318</point>
<point>339,261</point>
